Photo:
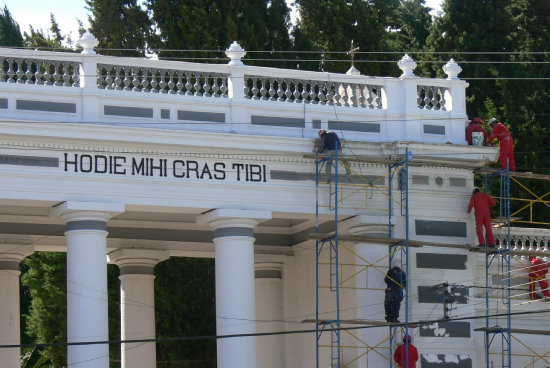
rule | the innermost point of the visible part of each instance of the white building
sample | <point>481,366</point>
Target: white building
<point>177,159</point>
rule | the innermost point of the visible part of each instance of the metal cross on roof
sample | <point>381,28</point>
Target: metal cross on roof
<point>352,52</point>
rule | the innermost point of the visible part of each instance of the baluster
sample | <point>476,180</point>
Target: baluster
<point>223,88</point>
<point>188,84</point>
<point>338,94</point>
<point>117,80</point>
<point>378,94</point>
<point>136,82</point>
<point>154,80</point>
<point>280,92</point>
<point>125,84</point>
<point>330,95</point>
<point>179,85</point>
<point>427,98</point>
<point>28,73</point>
<point>145,79</point>
<point>296,93</point>
<point>419,99</point>
<point>215,87</point>
<point>162,81</point>
<point>531,247</point>
<point>247,89</point>
<point>312,92</point>
<point>305,92</point>
<point>66,74</point>
<point>544,243</point>
<point>370,101</point>
<point>56,76</point>
<point>197,85</point>
<point>442,101</point>
<point>2,72</point>
<point>263,90</point>
<point>19,72</point>
<point>206,85</point>
<point>321,95</point>
<point>345,95</point>
<point>271,90</point>
<point>435,98</point>
<point>255,89</point>
<point>361,99</point>
<point>47,74</point>
<point>76,75</point>
<point>10,72</point>
<point>171,84</point>
<point>288,92</point>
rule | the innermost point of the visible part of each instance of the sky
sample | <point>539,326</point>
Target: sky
<point>37,13</point>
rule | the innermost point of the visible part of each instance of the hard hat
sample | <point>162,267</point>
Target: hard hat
<point>493,120</point>
<point>478,120</point>
<point>476,189</point>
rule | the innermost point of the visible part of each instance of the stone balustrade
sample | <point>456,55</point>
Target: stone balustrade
<point>524,239</point>
<point>229,97</point>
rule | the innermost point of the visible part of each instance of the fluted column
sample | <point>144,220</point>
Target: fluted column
<point>269,313</point>
<point>87,316</point>
<point>137,304</point>
<point>235,296</point>
<point>10,332</point>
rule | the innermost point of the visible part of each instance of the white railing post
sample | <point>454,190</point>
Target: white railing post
<point>235,85</point>
<point>456,101</point>
<point>91,106</point>
<point>410,114</point>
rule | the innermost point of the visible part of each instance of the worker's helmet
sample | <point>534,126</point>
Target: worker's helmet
<point>476,190</point>
<point>493,121</point>
<point>478,120</point>
<point>407,338</point>
<point>321,132</point>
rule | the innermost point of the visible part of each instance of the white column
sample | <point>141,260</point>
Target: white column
<point>370,289</point>
<point>10,334</point>
<point>235,296</point>
<point>87,317</point>
<point>137,304</point>
<point>269,313</point>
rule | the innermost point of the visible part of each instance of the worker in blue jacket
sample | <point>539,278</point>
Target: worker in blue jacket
<point>395,280</point>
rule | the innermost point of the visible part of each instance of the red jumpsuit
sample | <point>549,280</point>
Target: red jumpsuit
<point>537,272</point>
<point>482,202</point>
<point>475,127</point>
<point>506,145</point>
<point>400,356</point>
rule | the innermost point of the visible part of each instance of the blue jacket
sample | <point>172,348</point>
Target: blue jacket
<point>396,279</point>
<point>329,141</point>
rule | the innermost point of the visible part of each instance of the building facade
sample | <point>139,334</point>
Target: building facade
<point>132,161</point>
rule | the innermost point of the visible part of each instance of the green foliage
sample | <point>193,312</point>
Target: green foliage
<point>46,321</point>
<point>122,27</point>
<point>185,306</point>
<point>10,35</point>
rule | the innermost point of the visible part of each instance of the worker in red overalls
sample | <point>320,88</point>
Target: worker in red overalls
<point>400,355</point>
<point>506,142</point>
<point>475,126</point>
<point>537,272</point>
<point>482,203</point>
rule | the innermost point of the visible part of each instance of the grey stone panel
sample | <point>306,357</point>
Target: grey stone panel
<point>132,112</point>
<point>86,225</point>
<point>354,126</point>
<point>9,265</point>
<point>457,182</point>
<point>421,179</point>
<point>440,228</point>
<point>233,231</point>
<point>29,161</point>
<point>267,274</point>
<point>354,179</point>
<point>434,129</point>
<point>164,113</point>
<point>45,106</point>
<point>316,124</point>
<point>3,103</point>
<point>212,117</point>
<point>137,270</point>
<point>445,361</point>
<point>277,121</point>
<point>429,294</point>
<point>441,261</point>
<point>446,329</point>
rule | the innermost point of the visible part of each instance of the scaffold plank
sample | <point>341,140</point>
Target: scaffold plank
<point>363,322</point>
<point>513,330</point>
<point>516,174</point>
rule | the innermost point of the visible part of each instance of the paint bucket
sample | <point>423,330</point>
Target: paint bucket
<point>477,139</point>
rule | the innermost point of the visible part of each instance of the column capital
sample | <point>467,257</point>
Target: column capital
<point>86,211</point>
<point>138,261</point>
<point>225,217</point>
<point>373,226</point>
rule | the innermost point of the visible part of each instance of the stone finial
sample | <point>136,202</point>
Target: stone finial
<point>235,52</point>
<point>407,65</point>
<point>150,54</point>
<point>353,71</point>
<point>88,42</point>
<point>452,69</point>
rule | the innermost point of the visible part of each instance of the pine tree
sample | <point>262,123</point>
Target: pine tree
<point>122,27</point>
<point>10,35</point>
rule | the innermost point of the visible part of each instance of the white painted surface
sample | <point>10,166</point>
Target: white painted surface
<point>9,318</point>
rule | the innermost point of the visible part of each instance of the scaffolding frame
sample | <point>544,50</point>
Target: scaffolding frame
<point>330,164</point>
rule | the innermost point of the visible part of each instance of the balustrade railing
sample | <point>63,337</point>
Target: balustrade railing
<point>524,239</point>
<point>158,80</point>
<point>39,71</point>
<point>431,97</point>
<point>320,92</point>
